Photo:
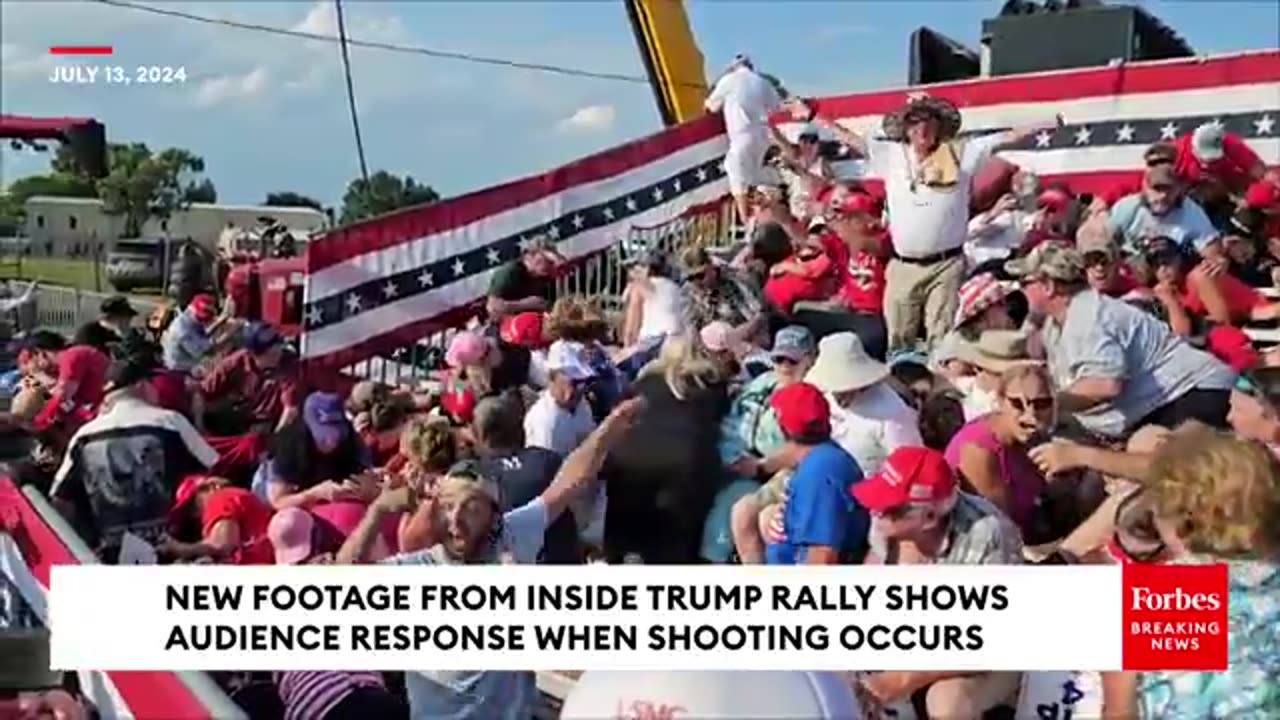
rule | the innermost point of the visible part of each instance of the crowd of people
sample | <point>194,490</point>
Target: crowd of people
<point>896,377</point>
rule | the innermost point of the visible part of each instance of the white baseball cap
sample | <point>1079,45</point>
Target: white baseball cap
<point>569,358</point>
<point>714,694</point>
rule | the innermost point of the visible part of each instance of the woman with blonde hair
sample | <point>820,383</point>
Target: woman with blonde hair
<point>664,475</point>
<point>1216,498</point>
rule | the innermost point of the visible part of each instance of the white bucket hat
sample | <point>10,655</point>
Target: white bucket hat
<point>844,365</point>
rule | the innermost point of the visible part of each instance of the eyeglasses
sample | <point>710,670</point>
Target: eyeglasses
<point>1043,403</point>
<point>781,360</point>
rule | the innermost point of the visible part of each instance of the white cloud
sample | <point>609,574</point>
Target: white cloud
<point>592,118</point>
<point>321,19</point>
<point>17,64</point>
<point>229,88</point>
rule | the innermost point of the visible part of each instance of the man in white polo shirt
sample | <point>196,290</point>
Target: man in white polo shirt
<point>746,98</point>
<point>927,174</point>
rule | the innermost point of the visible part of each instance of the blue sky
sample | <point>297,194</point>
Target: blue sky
<point>269,113</point>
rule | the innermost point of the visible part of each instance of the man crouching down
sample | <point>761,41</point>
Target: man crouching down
<point>919,517</point>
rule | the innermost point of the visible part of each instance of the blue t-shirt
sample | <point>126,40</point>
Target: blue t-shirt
<point>819,509</point>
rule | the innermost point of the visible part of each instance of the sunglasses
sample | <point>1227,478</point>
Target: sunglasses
<point>1162,188</point>
<point>1038,404</point>
<point>1094,258</point>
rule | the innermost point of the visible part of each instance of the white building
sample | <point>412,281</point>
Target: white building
<point>62,226</point>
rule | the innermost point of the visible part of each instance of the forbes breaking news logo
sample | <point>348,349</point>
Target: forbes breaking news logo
<point>1175,617</point>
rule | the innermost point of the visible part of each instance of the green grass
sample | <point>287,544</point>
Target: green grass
<point>68,272</point>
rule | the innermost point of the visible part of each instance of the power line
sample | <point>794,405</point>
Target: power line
<point>390,47</point>
<point>351,91</point>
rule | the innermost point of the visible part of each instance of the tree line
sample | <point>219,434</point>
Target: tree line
<point>143,184</point>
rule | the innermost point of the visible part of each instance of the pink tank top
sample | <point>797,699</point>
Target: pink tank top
<point>344,515</point>
<point>1017,471</point>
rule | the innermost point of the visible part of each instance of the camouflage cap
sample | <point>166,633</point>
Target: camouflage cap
<point>1052,260</point>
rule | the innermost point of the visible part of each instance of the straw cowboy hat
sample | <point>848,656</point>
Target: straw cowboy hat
<point>944,111</point>
<point>844,365</point>
<point>997,351</point>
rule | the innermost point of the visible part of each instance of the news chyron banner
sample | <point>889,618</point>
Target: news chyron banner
<point>635,617</point>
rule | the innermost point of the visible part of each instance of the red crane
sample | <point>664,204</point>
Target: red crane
<point>85,136</point>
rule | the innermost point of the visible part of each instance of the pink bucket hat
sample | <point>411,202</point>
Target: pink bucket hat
<point>467,348</point>
<point>290,532</point>
<point>720,336</point>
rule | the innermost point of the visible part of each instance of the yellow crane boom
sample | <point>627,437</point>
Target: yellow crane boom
<point>671,57</point>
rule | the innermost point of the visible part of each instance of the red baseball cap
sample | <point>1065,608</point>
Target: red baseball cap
<point>524,330</point>
<point>204,307</point>
<point>187,490</point>
<point>909,474</point>
<point>1053,198</point>
<point>801,409</point>
<point>1262,194</point>
<point>856,203</point>
<point>460,403</point>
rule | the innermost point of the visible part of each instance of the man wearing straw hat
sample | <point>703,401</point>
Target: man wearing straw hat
<point>927,174</point>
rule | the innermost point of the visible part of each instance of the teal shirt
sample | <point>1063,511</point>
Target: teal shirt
<point>750,425</point>
<point>1250,687</point>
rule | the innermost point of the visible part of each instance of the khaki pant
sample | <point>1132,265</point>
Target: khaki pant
<point>917,294</point>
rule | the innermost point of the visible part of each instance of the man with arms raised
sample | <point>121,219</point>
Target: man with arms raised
<point>927,174</point>
<point>471,530</point>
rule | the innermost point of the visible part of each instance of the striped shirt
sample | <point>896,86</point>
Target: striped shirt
<point>311,694</point>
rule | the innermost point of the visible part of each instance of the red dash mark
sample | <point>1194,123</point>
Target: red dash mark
<point>80,50</point>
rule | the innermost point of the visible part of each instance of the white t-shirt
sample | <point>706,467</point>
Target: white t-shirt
<point>663,311</point>
<point>997,237</point>
<point>925,220</point>
<point>877,422</point>
<point>746,98</point>
<point>547,425</point>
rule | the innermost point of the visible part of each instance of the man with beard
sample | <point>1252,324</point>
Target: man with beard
<point>471,530</point>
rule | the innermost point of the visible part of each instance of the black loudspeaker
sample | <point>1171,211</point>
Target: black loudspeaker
<point>1029,38</point>
<point>937,58</point>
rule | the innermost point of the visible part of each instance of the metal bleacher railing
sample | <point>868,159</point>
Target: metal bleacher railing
<point>64,309</point>
<point>601,275</point>
<point>34,537</point>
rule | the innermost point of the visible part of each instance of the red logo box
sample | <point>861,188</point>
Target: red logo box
<point>1175,617</point>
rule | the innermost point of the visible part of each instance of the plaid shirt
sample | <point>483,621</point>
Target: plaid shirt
<point>733,300</point>
<point>978,534</point>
